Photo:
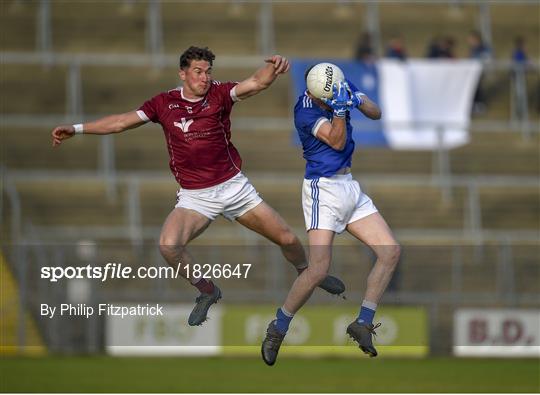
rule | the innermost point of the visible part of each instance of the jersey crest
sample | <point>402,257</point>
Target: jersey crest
<point>184,124</point>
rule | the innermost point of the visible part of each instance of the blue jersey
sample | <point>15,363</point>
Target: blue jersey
<point>322,160</point>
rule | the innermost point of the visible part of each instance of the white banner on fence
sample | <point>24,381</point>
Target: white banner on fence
<point>497,332</point>
<point>425,101</point>
<point>168,334</point>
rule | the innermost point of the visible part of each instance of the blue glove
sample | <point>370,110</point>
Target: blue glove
<point>341,100</point>
<point>356,97</point>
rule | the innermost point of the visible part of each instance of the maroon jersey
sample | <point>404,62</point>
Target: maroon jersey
<point>198,134</point>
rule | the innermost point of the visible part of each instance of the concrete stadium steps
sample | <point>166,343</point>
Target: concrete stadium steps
<point>423,207</point>
<point>113,27</point>
<point>433,262</point>
<point>231,27</point>
<point>157,201</point>
<point>120,89</point>
<point>419,23</point>
<point>32,89</point>
<point>510,208</point>
<point>284,156</point>
<point>497,87</point>
<point>351,262</point>
<point>402,206</point>
<point>321,30</point>
<point>71,203</point>
<point>115,89</point>
<point>142,149</point>
<point>31,149</point>
<point>528,274</point>
<point>18,26</point>
<point>504,17</point>
<point>42,90</point>
<point>85,205</point>
<point>477,273</point>
<point>418,207</point>
<point>277,101</point>
<point>497,153</point>
<point>110,90</point>
<point>226,28</point>
<point>519,156</point>
<point>145,149</point>
<point>77,26</point>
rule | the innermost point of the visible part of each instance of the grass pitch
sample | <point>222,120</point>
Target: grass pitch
<point>106,374</point>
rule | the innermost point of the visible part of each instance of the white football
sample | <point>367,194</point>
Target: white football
<point>321,78</point>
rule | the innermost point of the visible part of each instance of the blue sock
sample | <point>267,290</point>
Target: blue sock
<point>367,312</point>
<point>283,320</point>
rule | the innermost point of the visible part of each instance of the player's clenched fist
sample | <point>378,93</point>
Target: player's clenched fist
<point>61,133</point>
<point>281,64</point>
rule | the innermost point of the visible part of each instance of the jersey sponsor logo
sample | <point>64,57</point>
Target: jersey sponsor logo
<point>171,106</point>
<point>184,124</point>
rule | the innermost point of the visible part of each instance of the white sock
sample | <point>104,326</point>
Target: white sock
<point>286,312</point>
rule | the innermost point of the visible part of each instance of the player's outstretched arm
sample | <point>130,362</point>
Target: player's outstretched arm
<point>263,77</point>
<point>364,104</point>
<point>107,125</point>
<point>369,108</point>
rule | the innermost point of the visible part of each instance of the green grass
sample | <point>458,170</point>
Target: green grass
<point>105,374</point>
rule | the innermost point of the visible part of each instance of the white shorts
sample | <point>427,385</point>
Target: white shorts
<point>231,198</point>
<point>334,202</point>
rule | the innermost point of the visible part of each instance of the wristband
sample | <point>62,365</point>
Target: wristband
<point>359,95</point>
<point>340,112</point>
<point>78,128</point>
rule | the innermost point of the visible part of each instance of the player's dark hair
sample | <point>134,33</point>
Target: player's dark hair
<point>196,53</point>
<point>308,70</point>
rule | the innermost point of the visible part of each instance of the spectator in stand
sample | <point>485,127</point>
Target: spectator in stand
<point>364,49</point>
<point>441,48</point>
<point>479,50</point>
<point>518,76</point>
<point>396,49</point>
<point>519,54</point>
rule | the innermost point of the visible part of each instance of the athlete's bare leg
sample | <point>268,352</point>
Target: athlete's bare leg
<point>373,231</point>
<point>320,256</point>
<point>264,220</point>
<point>181,226</point>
